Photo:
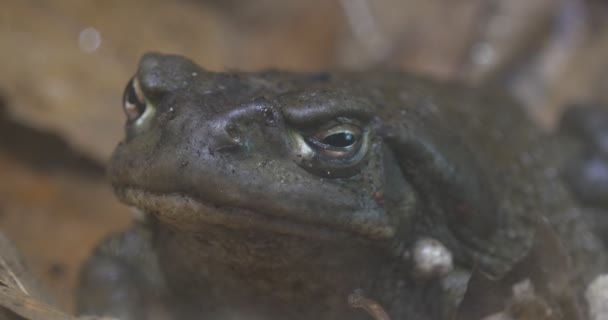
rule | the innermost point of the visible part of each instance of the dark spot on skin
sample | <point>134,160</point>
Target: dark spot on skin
<point>378,197</point>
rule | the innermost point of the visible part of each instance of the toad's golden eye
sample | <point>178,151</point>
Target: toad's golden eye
<point>134,101</point>
<point>341,141</point>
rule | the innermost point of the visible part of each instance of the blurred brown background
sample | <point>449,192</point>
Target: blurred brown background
<point>63,65</point>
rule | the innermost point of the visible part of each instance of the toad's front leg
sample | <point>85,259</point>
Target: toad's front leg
<point>121,278</point>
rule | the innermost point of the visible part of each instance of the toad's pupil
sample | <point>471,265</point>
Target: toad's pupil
<point>340,140</point>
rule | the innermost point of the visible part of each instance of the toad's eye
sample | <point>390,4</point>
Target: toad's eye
<point>134,101</point>
<point>341,141</point>
<point>338,149</point>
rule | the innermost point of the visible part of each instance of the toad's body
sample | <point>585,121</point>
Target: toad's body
<point>276,195</point>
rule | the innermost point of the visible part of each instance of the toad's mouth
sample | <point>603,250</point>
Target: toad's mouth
<point>188,213</point>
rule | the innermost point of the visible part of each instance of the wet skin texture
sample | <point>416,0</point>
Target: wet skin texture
<point>275,195</point>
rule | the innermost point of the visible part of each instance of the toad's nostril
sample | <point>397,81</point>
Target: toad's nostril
<point>214,149</point>
<point>226,138</point>
<point>233,132</point>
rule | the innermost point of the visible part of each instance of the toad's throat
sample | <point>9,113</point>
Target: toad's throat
<point>188,213</point>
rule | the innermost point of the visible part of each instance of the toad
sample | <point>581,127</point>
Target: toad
<point>277,195</point>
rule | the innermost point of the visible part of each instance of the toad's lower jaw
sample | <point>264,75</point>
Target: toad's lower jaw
<point>188,213</point>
